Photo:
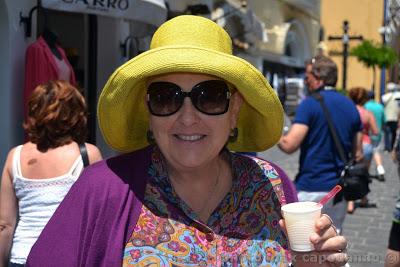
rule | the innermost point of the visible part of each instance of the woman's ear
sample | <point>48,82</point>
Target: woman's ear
<point>235,104</point>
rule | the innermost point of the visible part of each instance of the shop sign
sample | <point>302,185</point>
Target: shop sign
<point>114,8</point>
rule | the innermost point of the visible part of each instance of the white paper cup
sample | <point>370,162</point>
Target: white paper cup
<point>300,219</point>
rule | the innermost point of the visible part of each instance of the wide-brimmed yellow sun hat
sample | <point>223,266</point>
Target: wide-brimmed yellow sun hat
<point>188,44</point>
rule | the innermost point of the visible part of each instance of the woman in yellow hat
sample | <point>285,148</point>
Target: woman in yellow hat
<point>177,196</point>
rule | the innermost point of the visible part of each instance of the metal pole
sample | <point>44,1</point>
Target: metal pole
<point>345,52</point>
<point>383,70</point>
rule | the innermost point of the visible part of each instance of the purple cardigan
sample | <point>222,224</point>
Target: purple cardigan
<point>95,221</point>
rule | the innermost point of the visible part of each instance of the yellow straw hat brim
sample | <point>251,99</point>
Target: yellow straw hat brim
<point>124,118</point>
<point>196,45</point>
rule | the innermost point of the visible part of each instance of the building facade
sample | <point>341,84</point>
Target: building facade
<point>365,17</point>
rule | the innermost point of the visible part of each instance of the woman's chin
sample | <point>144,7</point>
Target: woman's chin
<point>193,159</point>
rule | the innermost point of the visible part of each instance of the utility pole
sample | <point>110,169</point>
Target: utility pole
<point>383,70</point>
<point>345,40</point>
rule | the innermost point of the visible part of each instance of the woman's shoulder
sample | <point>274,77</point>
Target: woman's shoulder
<point>365,113</point>
<point>93,153</point>
<point>276,175</point>
<point>11,153</point>
<point>10,158</point>
<point>262,163</point>
<point>118,170</point>
<point>253,165</point>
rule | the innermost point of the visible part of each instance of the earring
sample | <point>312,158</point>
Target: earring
<point>233,135</point>
<point>150,137</point>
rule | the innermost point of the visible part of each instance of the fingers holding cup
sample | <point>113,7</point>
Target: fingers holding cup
<point>325,229</point>
<point>336,243</point>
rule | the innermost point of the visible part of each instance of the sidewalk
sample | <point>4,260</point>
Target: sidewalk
<point>367,229</point>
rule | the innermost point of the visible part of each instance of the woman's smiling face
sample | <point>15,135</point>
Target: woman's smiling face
<point>190,138</point>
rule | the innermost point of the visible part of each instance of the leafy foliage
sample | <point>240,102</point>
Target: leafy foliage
<point>374,55</point>
<point>387,56</point>
<point>366,53</point>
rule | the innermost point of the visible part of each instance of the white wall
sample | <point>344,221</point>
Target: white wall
<point>12,54</point>
<point>111,32</point>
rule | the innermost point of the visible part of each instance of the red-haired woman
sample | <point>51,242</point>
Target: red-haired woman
<point>359,96</point>
<point>38,174</point>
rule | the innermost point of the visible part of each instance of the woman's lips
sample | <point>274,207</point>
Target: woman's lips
<point>190,138</point>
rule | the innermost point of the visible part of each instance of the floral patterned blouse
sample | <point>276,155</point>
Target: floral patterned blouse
<point>242,231</point>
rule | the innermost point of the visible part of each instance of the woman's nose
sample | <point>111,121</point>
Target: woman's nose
<point>188,114</point>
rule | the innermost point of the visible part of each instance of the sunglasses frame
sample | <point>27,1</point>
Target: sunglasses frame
<point>184,94</point>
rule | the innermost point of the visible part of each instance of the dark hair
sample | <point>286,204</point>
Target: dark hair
<point>371,95</point>
<point>359,95</point>
<point>56,115</point>
<point>324,69</point>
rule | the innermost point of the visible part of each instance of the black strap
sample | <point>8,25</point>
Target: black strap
<point>338,144</point>
<point>84,154</point>
<point>332,129</point>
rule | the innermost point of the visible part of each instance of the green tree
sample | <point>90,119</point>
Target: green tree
<point>374,55</point>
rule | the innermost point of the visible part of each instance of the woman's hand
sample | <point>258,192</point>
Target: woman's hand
<point>330,248</point>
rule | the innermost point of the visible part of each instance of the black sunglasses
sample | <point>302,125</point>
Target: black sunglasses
<point>209,97</point>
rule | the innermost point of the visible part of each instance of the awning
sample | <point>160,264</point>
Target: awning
<point>152,12</point>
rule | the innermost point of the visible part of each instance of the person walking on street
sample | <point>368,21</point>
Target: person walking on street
<point>390,101</point>
<point>38,174</point>
<point>320,164</point>
<point>392,258</point>
<point>395,153</point>
<point>359,96</point>
<point>378,111</point>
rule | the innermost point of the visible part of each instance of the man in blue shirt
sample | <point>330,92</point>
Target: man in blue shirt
<point>320,164</point>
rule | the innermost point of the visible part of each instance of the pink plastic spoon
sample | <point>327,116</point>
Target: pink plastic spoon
<point>330,195</point>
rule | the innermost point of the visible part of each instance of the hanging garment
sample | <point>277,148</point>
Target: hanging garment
<point>40,67</point>
<point>64,72</point>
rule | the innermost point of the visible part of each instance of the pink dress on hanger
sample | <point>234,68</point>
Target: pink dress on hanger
<point>40,67</point>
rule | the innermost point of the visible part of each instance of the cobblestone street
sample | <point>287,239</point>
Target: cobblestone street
<point>367,229</point>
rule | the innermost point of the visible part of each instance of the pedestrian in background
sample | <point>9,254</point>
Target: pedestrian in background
<point>320,164</point>
<point>378,111</point>
<point>392,258</point>
<point>390,101</point>
<point>359,96</point>
<point>38,174</point>
<point>178,196</point>
<point>396,158</point>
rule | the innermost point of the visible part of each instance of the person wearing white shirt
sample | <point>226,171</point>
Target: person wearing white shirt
<point>390,101</point>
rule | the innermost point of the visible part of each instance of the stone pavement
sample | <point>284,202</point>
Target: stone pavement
<point>367,229</point>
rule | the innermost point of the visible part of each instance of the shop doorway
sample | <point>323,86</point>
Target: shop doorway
<point>76,34</point>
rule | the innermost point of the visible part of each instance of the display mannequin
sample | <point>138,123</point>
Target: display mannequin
<point>51,39</point>
<point>45,60</point>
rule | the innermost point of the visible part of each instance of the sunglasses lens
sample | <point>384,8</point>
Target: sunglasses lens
<point>211,97</point>
<point>164,98</point>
